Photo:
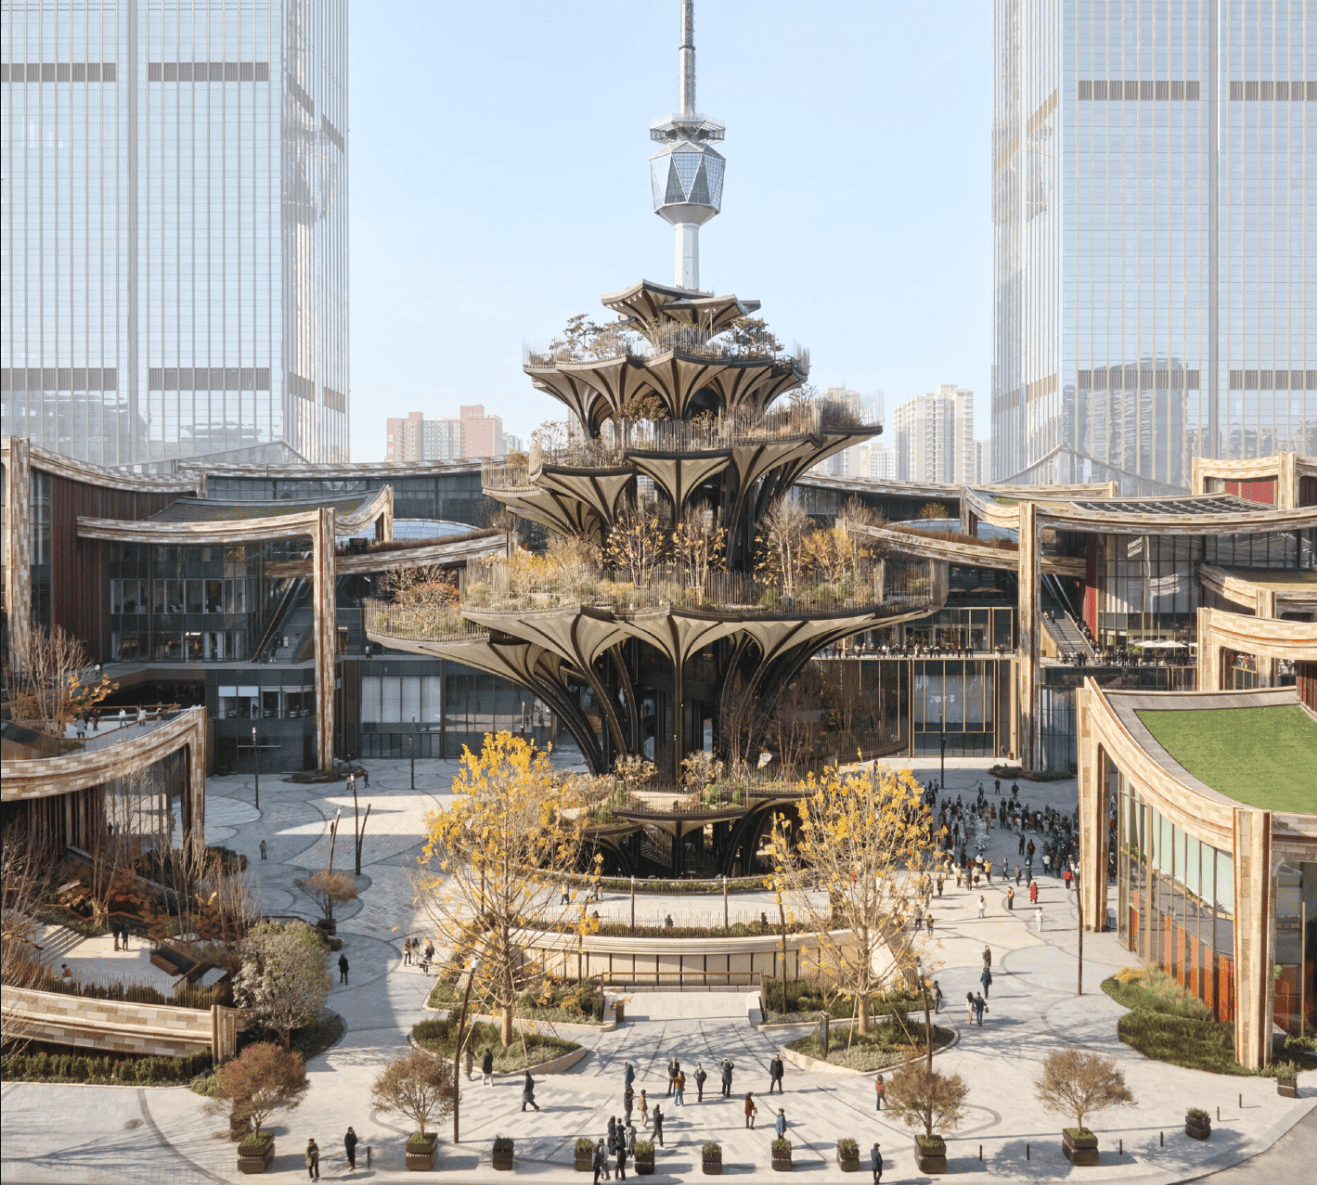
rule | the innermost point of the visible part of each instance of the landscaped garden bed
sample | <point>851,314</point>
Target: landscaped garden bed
<point>114,1070</point>
<point>440,1036</point>
<point>883,1045</point>
<point>804,1002</point>
<point>555,1001</point>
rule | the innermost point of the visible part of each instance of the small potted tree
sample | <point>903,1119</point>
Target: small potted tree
<point>502,1153</point>
<point>848,1155</point>
<point>420,1088</point>
<point>782,1155</point>
<point>262,1079</point>
<point>712,1159</point>
<point>327,889</point>
<point>644,1158</point>
<point>920,1096</point>
<point>1074,1083</point>
<point>1197,1124</point>
<point>584,1158</point>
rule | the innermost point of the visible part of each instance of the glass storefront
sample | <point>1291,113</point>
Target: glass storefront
<point>1176,903</point>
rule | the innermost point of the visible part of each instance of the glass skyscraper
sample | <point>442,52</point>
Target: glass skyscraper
<point>1155,216</point>
<point>175,228</point>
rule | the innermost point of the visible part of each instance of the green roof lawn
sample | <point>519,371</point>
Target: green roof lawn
<point>1261,757</point>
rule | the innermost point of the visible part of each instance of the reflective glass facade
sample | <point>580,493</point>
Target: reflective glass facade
<point>1155,286</point>
<point>175,250</point>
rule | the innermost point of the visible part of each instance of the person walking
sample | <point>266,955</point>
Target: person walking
<point>406,952</point>
<point>658,1124</point>
<point>679,1095</point>
<point>528,1092</point>
<point>727,1068</point>
<point>621,1154</point>
<point>674,1068</point>
<point>631,1139</point>
<point>350,1147</point>
<point>628,1075</point>
<point>643,1107</point>
<point>700,1078</point>
<point>342,968</point>
<point>987,958</point>
<point>1010,900</point>
<point>750,1110</point>
<point>980,1007</point>
<point>469,1059</point>
<point>879,1089</point>
<point>1033,893</point>
<point>600,1161</point>
<point>937,997</point>
<point>628,1103</point>
<point>262,849</point>
<point>986,980</point>
<point>312,1160</point>
<point>487,1068</point>
<point>983,905</point>
<point>775,1070</point>
<point>969,1008</point>
<point>876,1160</point>
<point>780,1124</point>
<point>928,922</point>
<point>1038,918</point>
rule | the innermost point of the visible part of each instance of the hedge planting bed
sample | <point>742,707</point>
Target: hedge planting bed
<point>440,1036</point>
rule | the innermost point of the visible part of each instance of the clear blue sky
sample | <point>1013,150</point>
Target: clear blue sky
<point>500,184</point>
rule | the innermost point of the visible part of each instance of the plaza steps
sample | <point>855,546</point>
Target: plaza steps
<point>56,942</point>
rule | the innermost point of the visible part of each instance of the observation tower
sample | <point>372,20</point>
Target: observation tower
<point>686,174</point>
<point>660,614</point>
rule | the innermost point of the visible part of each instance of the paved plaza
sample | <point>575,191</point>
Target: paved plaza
<point>120,1134</point>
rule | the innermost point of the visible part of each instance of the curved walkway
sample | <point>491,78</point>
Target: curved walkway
<point>164,1135</point>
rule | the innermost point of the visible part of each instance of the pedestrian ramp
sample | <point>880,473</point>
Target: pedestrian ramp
<point>729,1003</point>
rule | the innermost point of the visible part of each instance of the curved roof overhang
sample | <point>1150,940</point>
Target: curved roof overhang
<point>276,525</point>
<point>444,554</point>
<point>969,555</point>
<point>1266,637</point>
<point>1241,589</point>
<point>647,301</point>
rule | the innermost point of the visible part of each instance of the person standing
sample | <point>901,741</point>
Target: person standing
<point>679,1094</point>
<point>700,1078</point>
<point>628,1076</point>
<point>406,952</point>
<point>728,1067</point>
<point>658,1124</point>
<point>600,1161</point>
<point>928,922</point>
<point>969,1008</point>
<point>643,1108</point>
<point>980,1007</point>
<point>487,1068</point>
<point>342,968</point>
<point>469,1060</point>
<point>628,1104</point>
<point>350,1147</point>
<point>262,849</point>
<point>780,1124</point>
<point>312,1160</point>
<point>750,1110</point>
<point>775,1071</point>
<point>986,980</point>
<point>876,1160</point>
<point>987,958</point>
<point>1038,918</point>
<point>937,997</point>
<point>1010,900</point>
<point>983,905</point>
<point>879,1089</point>
<point>674,1068</point>
<point>528,1092</point>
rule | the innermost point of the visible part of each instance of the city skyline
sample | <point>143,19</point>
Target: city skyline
<point>435,271</point>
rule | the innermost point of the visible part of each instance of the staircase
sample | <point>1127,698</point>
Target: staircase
<point>55,942</point>
<point>1069,638</point>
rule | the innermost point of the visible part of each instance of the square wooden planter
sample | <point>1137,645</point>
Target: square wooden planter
<point>1198,1131</point>
<point>848,1164</point>
<point>502,1161</point>
<point>257,1161</point>
<point>712,1168</point>
<point>1079,1150</point>
<point>1287,1088</point>
<point>645,1167</point>
<point>583,1164</point>
<point>420,1157</point>
<point>931,1158</point>
<point>781,1164</point>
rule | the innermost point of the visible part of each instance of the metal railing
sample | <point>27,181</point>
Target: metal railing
<point>687,340</point>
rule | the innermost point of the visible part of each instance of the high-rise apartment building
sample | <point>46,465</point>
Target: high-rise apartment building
<point>982,462</point>
<point>933,436</point>
<point>175,228</point>
<point>471,434</point>
<point>1154,267</point>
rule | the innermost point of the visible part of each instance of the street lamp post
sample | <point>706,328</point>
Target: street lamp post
<point>411,749</point>
<point>942,777</point>
<point>257,753</point>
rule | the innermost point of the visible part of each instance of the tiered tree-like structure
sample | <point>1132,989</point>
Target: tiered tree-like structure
<point>665,616</point>
<point>673,607</point>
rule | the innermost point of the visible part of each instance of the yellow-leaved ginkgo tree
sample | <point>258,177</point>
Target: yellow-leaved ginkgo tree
<point>863,839</point>
<point>492,862</point>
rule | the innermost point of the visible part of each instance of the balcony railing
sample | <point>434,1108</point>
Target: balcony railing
<point>681,339</point>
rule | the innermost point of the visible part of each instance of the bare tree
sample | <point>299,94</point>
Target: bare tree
<point>699,545</point>
<point>637,543</point>
<point>262,1079</point>
<point>781,532</point>
<point>327,889</point>
<point>51,679</point>
<point>419,1086</point>
<point>920,1096</point>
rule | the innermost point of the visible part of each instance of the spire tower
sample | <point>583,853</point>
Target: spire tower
<point>686,174</point>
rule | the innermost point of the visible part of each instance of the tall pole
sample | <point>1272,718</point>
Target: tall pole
<point>457,1052</point>
<point>1080,991</point>
<point>411,749</point>
<point>256,751</point>
<point>942,777</point>
<point>686,58</point>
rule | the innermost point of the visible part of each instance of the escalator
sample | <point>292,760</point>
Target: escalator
<point>1060,619</point>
